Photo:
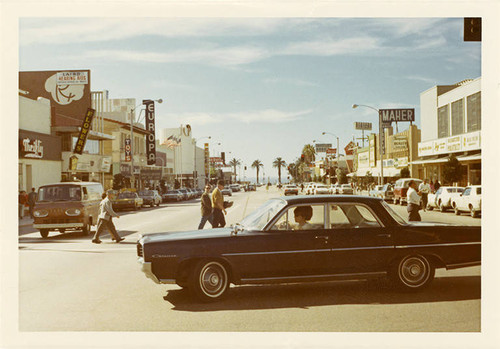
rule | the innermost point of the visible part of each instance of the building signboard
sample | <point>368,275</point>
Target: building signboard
<point>106,164</point>
<point>125,170</point>
<point>128,150</point>
<point>150,126</point>
<point>151,174</point>
<point>331,151</point>
<point>84,131</point>
<point>207,157</point>
<point>400,143</point>
<point>67,90</point>
<point>350,148</point>
<point>453,144</point>
<point>322,147</point>
<point>363,160</point>
<point>34,145</point>
<point>363,126</point>
<point>396,115</point>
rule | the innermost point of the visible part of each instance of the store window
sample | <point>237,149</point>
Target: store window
<point>91,146</point>
<point>474,112</point>
<point>443,122</point>
<point>457,117</point>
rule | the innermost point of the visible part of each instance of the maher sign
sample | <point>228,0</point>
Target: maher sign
<point>390,115</point>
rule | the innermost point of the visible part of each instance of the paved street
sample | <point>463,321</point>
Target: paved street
<point>67,283</point>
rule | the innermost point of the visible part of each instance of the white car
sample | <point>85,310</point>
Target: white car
<point>321,189</point>
<point>346,189</point>
<point>335,188</point>
<point>468,201</point>
<point>443,197</point>
<point>310,189</point>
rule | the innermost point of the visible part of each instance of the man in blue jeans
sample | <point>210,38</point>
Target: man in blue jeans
<point>206,208</point>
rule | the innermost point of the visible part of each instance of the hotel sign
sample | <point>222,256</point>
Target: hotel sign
<point>453,144</point>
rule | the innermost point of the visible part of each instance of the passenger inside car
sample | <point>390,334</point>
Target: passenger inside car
<point>302,215</point>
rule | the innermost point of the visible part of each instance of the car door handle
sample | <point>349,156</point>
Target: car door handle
<point>321,237</point>
<point>384,235</point>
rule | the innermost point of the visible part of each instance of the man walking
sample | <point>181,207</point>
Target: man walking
<point>218,206</point>
<point>413,199</point>
<point>23,199</point>
<point>105,220</point>
<point>31,201</point>
<point>425,189</point>
<point>206,208</point>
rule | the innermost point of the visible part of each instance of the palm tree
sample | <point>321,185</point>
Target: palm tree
<point>309,153</point>
<point>234,162</point>
<point>257,164</point>
<point>279,162</point>
<point>292,169</point>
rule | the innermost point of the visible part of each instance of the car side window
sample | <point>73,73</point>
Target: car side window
<point>338,219</point>
<point>300,218</point>
<point>351,216</point>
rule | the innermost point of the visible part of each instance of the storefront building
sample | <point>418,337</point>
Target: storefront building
<point>39,151</point>
<point>451,124</point>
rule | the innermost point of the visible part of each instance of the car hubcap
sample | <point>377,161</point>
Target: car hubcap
<point>414,271</point>
<point>213,279</point>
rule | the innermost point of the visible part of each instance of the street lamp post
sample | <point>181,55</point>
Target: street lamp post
<point>132,176</point>
<point>380,135</point>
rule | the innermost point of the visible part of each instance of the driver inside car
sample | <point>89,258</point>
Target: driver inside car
<point>302,215</point>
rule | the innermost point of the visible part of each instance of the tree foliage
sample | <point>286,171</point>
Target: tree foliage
<point>279,163</point>
<point>309,153</point>
<point>405,172</point>
<point>118,181</point>
<point>257,164</point>
<point>234,163</point>
<point>452,170</point>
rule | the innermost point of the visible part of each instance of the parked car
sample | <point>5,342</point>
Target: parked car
<point>172,195</point>
<point>335,188</point>
<point>185,194</point>
<point>468,201</point>
<point>227,191</point>
<point>127,199</point>
<point>309,189</point>
<point>321,189</point>
<point>376,192</point>
<point>387,192</point>
<point>235,187</point>
<point>348,237</point>
<point>442,198</point>
<point>67,206</point>
<point>150,197</point>
<point>291,189</point>
<point>345,189</point>
<point>401,188</point>
<point>250,187</point>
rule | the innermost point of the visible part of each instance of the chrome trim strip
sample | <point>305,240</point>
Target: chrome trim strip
<point>58,225</point>
<point>371,274</point>
<point>274,252</point>
<point>441,245</point>
<point>167,281</point>
<point>146,268</point>
<point>362,248</point>
<point>462,265</point>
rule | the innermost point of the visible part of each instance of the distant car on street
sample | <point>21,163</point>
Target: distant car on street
<point>150,197</point>
<point>250,187</point>
<point>335,188</point>
<point>321,189</point>
<point>291,189</point>
<point>227,191</point>
<point>345,189</point>
<point>335,238</point>
<point>172,195</point>
<point>443,197</point>
<point>127,199</point>
<point>235,187</point>
<point>185,194</point>
<point>468,201</point>
<point>401,188</point>
<point>376,191</point>
<point>387,192</point>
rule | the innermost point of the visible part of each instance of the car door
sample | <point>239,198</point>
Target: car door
<point>463,199</point>
<point>359,241</point>
<point>284,251</point>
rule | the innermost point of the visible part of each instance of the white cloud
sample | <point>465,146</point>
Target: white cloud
<point>332,47</point>
<point>289,81</point>
<point>431,81</point>
<point>259,116</point>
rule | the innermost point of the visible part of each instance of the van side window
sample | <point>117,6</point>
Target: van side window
<point>94,192</point>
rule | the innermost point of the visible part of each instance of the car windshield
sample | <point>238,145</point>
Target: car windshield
<point>146,193</point>
<point>60,193</point>
<point>393,213</point>
<point>258,219</point>
<point>126,195</point>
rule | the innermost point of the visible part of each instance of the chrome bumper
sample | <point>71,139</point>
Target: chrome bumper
<point>146,268</point>
<point>58,225</point>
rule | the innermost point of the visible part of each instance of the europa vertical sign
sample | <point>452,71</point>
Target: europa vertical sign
<point>84,131</point>
<point>150,126</point>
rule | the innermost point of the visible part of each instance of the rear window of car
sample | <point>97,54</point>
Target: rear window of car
<point>146,192</point>
<point>126,195</point>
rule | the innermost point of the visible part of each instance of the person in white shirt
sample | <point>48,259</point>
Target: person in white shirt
<point>105,221</point>
<point>425,189</point>
<point>413,199</point>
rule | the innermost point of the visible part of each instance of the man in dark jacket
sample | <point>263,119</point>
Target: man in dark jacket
<point>206,208</point>
<point>32,200</point>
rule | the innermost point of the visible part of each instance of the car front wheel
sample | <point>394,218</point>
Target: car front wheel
<point>413,272</point>
<point>473,212</point>
<point>44,233</point>
<point>209,281</point>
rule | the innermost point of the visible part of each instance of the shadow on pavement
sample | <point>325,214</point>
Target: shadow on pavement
<point>444,289</point>
<point>57,237</point>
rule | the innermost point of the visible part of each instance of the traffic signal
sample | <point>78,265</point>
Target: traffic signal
<point>472,29</point>
<point>302,157</point>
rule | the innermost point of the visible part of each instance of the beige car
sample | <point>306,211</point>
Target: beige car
<point>67,206</point>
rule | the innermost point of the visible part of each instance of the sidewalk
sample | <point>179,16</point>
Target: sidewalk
<point>26,221</point>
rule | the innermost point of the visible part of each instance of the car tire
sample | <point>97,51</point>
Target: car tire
<point>429,207</point>
<point>44,233</point>
<point>473,213</point>
<point>209,281</point>
<point>457,211</point>
<point>86,229</point>
<point>441,207</point>
<point>394,201</point>
<point>413,272</point>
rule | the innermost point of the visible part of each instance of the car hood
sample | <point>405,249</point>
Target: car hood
<point>187,235</point>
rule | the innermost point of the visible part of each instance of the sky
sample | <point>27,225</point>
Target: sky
<point>261,87</point>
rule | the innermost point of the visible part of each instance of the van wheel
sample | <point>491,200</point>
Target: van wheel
<point>441,207</point>
<point>86,229</point>
<point>473,212</point>
<point>44,233</point>
<point>457,211</point>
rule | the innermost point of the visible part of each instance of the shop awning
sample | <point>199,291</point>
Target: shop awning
<point>469,157</point>
<point>433,160</point>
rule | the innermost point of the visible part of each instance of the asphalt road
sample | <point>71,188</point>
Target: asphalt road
<point>66,283</point>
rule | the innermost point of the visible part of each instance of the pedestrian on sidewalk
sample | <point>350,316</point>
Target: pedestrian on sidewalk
<point>206,208</point>
<point>425,189</point>
<point>23,199</point>
<point>413,198</point>
<point>218,206</point>
<point>31,201</point>
<point>105,221</point>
